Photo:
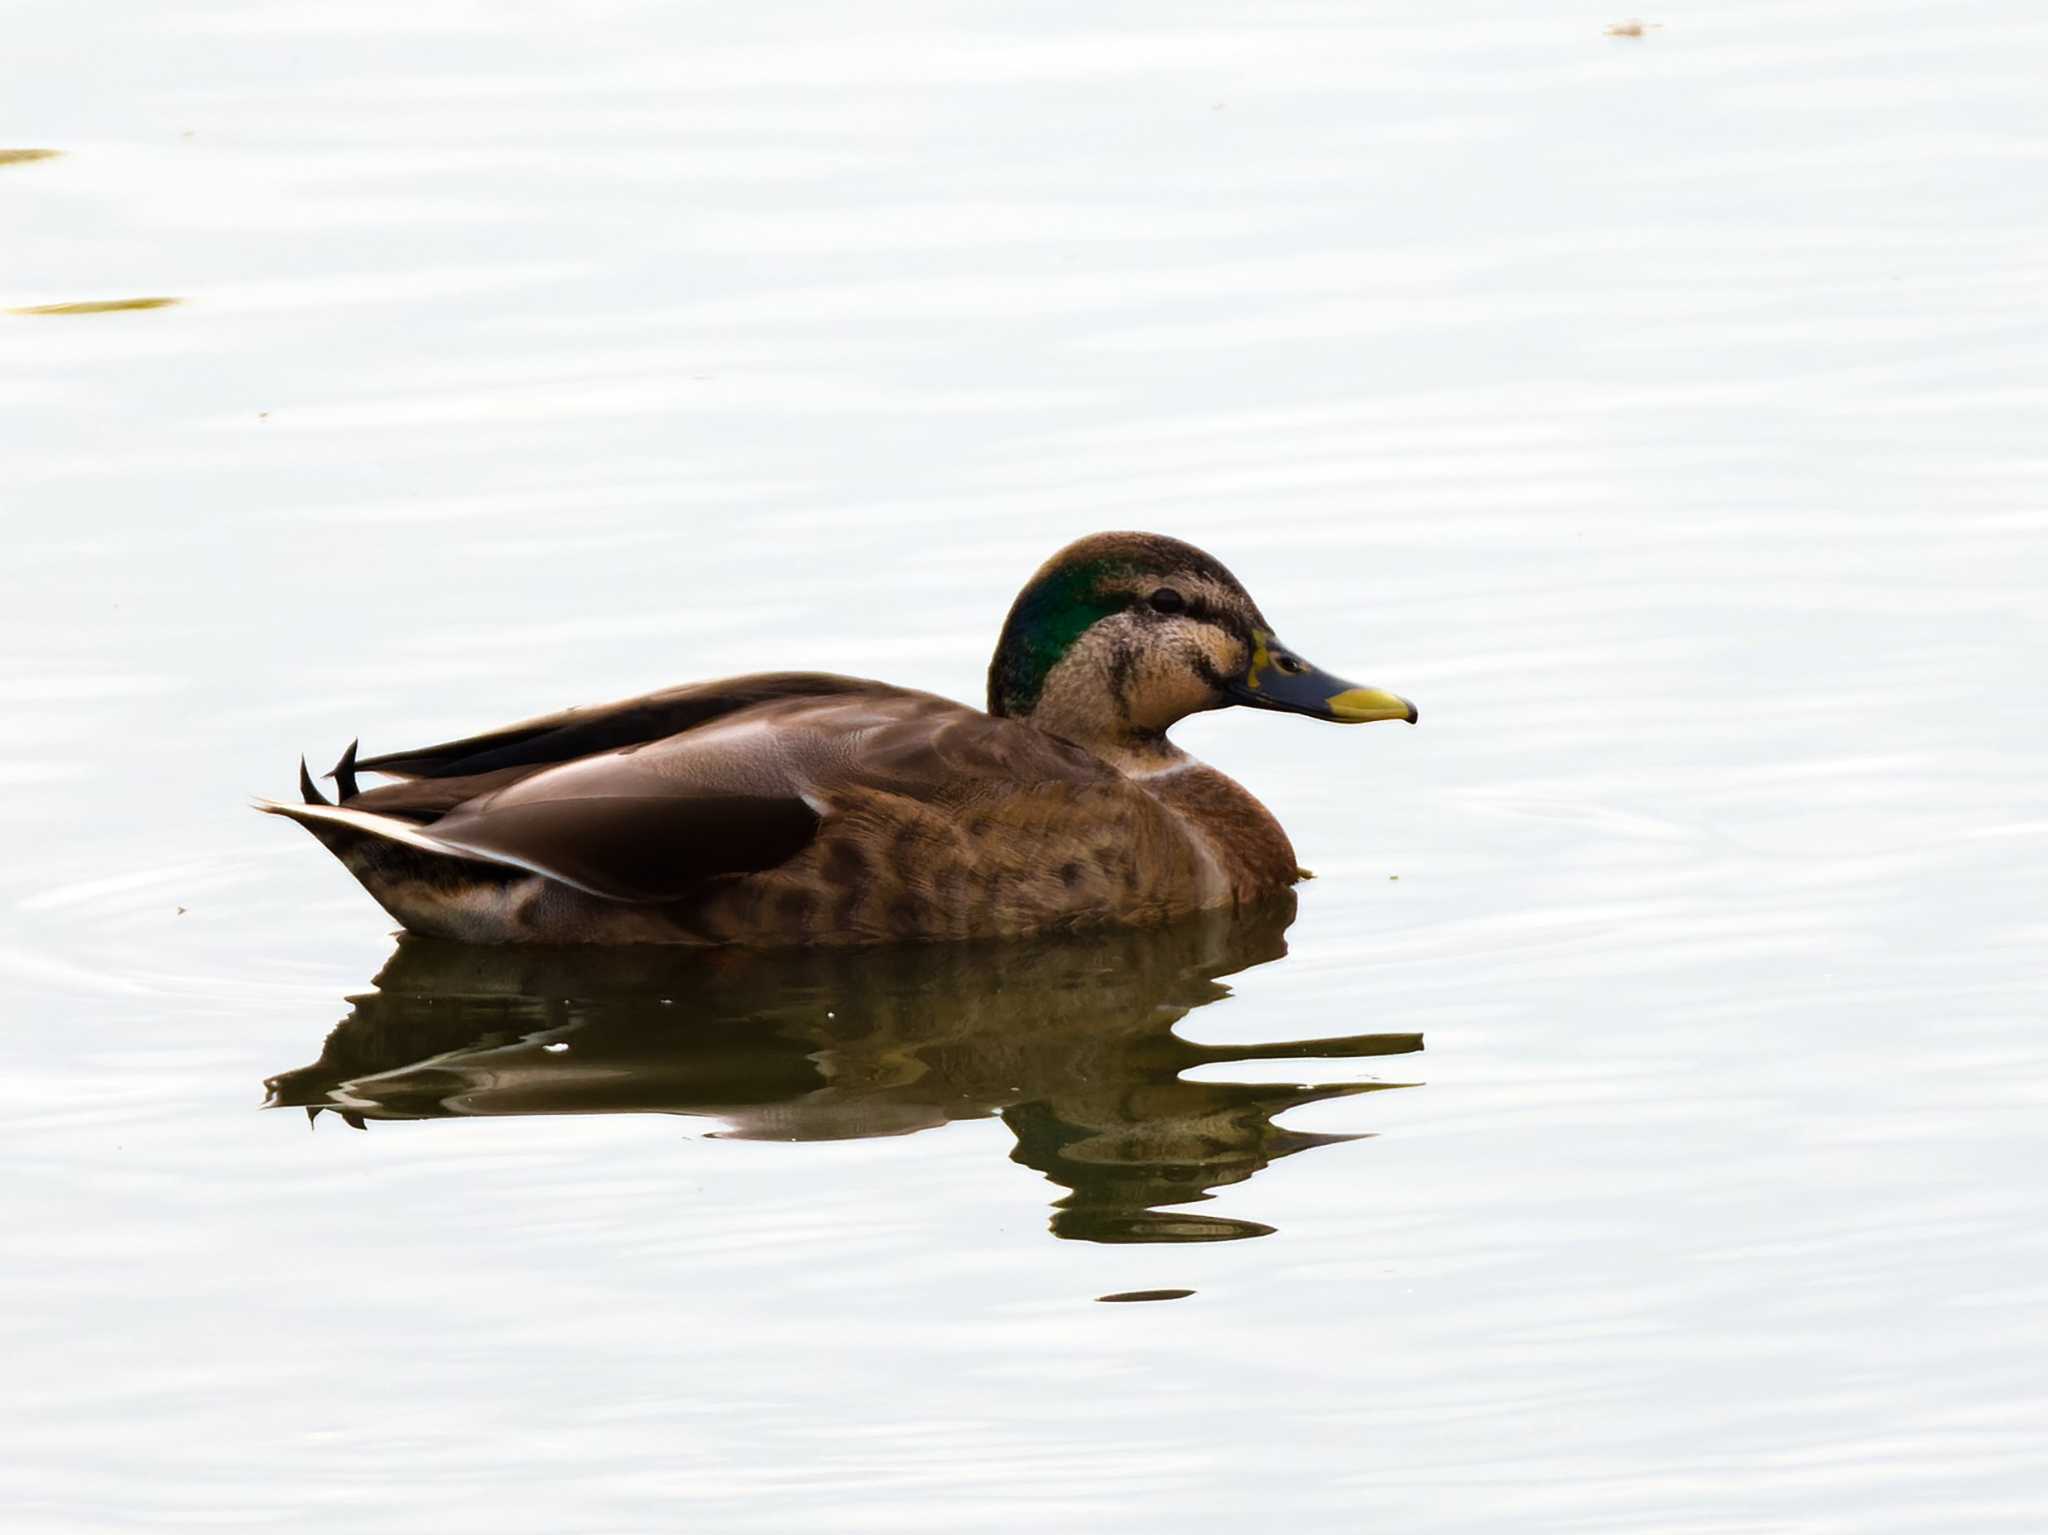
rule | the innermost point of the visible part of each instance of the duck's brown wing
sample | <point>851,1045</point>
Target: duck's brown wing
<point>630,846</point>
<point>611,829</point>
<point>741,784</point>
<point>571,733</point>
<point>440,778</point>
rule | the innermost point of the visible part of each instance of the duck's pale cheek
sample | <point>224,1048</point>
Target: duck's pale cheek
<point>1170,692</point>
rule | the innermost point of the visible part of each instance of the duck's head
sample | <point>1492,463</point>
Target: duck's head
<point>1121,634</point>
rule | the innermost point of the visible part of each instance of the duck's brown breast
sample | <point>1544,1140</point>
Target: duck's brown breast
<point>1251,850</point>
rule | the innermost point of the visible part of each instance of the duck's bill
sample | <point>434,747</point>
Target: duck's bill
<point>1279,679</point>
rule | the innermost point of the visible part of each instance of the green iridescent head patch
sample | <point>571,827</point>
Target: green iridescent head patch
<point>1046,619</point>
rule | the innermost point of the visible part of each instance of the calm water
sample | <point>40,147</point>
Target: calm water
<point>1638,1127</point>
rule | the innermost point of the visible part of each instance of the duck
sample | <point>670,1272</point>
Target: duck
<point>807,808</point>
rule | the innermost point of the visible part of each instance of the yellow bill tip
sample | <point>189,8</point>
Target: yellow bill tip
<point>1358,705</point>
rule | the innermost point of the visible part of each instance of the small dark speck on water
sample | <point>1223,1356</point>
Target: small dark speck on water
<point>1633,28</point>
<point>1125,1295</point>
<point>181,911</point>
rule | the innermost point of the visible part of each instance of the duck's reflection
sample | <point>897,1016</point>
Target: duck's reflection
<point>1069,1040</point>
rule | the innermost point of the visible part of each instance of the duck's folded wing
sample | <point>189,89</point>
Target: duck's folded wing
<point>631,846</point>
<point>648,799</point>
<point>611,799</point>
<point>625,847</point>
<point>572,733</point>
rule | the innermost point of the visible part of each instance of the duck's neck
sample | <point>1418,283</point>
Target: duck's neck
<point>1084,707</point>
<point>1135,754</point>
<point>1250,849</point>
<point>1088,699</point>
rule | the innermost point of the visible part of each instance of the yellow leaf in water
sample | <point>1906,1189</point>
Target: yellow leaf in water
<point>23,156</point>
<point>98,306</point>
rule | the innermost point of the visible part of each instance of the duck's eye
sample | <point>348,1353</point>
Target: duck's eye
<point>1167,600</point>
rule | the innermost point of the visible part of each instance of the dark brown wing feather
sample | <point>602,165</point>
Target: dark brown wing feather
<point>578,732</point>
<point>422,800</point>
<point>635,847</point>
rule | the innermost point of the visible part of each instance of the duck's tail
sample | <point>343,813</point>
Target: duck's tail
<point>427,885</point>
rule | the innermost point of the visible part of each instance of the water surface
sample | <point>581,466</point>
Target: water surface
<point>1663,414</point>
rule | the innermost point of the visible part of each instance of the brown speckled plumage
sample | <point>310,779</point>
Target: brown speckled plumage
<point>804,808</point>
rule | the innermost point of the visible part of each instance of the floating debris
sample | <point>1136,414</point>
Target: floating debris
<point>24,156</point>
<point>1128,1295</point>
<point>1634,28</point>
<point>99,306</point>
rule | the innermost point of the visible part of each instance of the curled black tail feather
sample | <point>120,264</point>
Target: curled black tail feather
<point>344,774</point>
<point>307,790</point>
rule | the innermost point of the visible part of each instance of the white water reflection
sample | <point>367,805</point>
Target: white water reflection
<point>1663,414</point>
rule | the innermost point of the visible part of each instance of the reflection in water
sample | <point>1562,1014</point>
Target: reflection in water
<point>1070,1040</point>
